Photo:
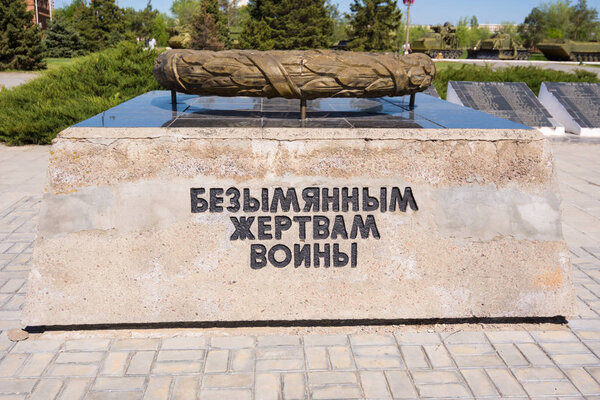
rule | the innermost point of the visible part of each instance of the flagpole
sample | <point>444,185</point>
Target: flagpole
<point>407,43</point>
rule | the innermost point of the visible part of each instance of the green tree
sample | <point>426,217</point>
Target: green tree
<point>585,21</point>
<point>287,24</point>
<point>159,29</point>
<point>100,24</point>
<point>209,27</point>
<point>62,40</point>
<point>185,10</point>
<point>20,39</point>
<point>374,25</point>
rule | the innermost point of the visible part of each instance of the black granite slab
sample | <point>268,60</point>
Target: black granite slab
<point>154,109</point>
<point>510,100</point>
<point>580,99</point>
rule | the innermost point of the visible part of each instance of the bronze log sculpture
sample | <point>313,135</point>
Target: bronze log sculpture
<point>303,75</point>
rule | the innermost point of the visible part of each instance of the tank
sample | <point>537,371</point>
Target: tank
<point>568,50</point>
<point>499,47</point>
<point>440,42</point>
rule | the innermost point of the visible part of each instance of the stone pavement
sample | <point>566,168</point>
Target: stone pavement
<point>12,79</point>
<point>492,361</point>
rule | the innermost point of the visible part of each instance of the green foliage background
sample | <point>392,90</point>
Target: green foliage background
<point>35,112</point>
<point>532,76</point>
<point>20,39</point>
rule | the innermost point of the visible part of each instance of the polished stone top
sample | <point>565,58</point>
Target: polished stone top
<point>154,109</point>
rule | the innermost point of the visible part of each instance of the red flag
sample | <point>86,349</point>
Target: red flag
<point>407,2</point>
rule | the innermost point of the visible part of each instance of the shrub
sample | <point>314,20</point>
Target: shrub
<point>532,76</point>
<point>35,112</point>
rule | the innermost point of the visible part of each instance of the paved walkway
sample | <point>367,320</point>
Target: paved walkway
<point>434,361</point>
<point>12,79</point>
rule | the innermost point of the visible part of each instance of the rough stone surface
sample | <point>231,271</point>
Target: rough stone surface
<point>17,335</point>
<point>117,242</point>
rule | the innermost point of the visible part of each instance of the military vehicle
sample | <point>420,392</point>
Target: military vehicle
<point>441,42</point>
<point>568,50</point>
<point>499,47</point>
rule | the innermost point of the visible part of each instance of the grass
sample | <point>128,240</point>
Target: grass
<point>532,76</point>
<point>55,63</point>
<point>35,112</point>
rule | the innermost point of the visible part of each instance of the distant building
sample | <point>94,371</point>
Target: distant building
<point>492,27</point>
<point>42,11</point>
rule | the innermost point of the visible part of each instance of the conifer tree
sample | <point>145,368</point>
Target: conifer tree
<point>287,24</point>
<point>62,40</point>
<point>374,25</point>
<point>100,24</point>
<point>20,39</point>
<point>209,27</point>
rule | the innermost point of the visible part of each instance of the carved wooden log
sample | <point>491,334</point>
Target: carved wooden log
<point>293,74</point>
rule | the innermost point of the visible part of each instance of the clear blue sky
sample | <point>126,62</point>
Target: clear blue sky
<point>423,12</point>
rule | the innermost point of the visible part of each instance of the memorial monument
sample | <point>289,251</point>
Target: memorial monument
<point>510,100</point>
<point>233,207</point>
<point>576,105</point>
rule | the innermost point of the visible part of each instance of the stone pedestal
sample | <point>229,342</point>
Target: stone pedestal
<point>146,225</point>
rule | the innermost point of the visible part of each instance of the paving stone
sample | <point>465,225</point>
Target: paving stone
<point>575,359</point>
<point>551,388</point>
<point>479,361</point>
<point>114,396</point>
<point>400,385</point>
<point>74,389</point>
<point>119,383</point>
<point>331,377</point>
<point>454,390</point>
<point>505,383</point>
<point>511,355</point>
<point>185,388</point>
<point>285,352</point>
<point>5,343</point>
<point>371,340</point>
<point>317,358</point>
<point>46,389</point>
<point>414,357</point>
<point>184,342</point>
<point>279,365</point>
<point>275,340</point>
<point>135,344</point>
<point>180,355</point>
<point>73,370</point>
<point>177,367</point>
<point>267,386</point>
<point>37,346</point>
<point>11,363</point>
<point>115,363</point>
<point>242,360</point>
<point>158,388</point>
<point>294,386</point>
<point>534,354</point>
<point>374,385</point>
<point>418,338</point>
<point>16,385</point>
<point>539,374</point>
<point>12,286</point>
<point>325,340</point>
<point>227,380</point>
<point>36,364</point>
<point>470,349</point>
<point>232,342</point>
<point>463,337</point>
<point>377,351</point>
<point>564,348</point>
<point>337,392</point>
<point>431,377</point>
<point>340,357</point>
<point>141,363</point>
<point>438,356</point>
<point>378,362</point>
<point>79,357</point>
<point>87,345</point>
<point>216,361</point>
<point>480,383</point>
<point>583,381</point>
<point>229,394</point>
<point>499,337</point>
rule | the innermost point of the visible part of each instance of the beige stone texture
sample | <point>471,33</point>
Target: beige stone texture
<point>117,242</point>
